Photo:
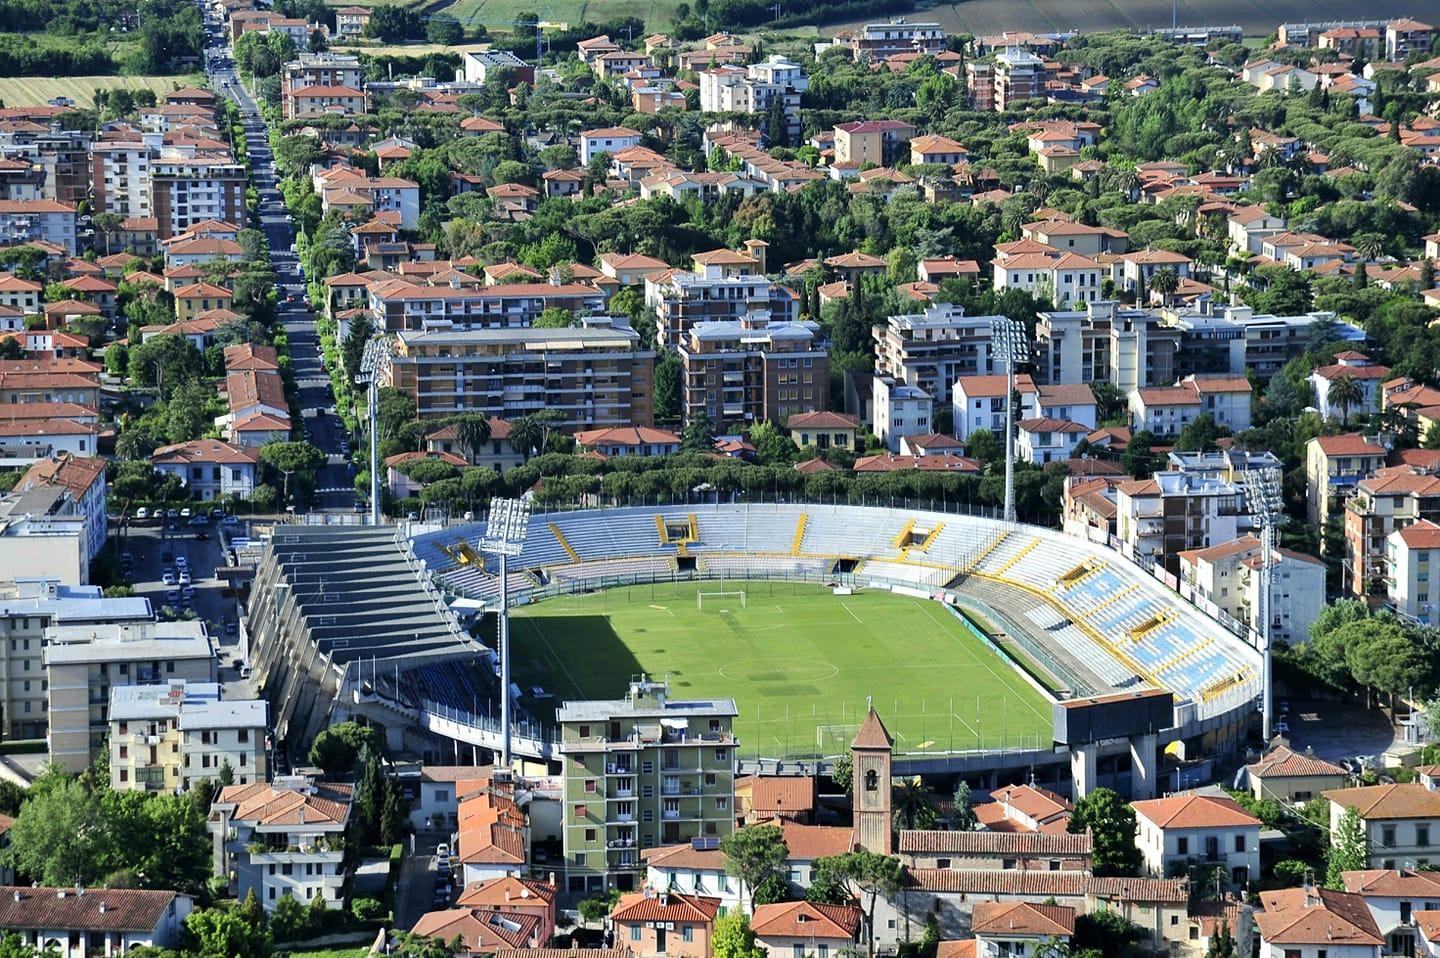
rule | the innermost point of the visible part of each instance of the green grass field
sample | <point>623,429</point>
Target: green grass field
<point>500,14</point>
<point>30,91</point>
<point>798,661</point>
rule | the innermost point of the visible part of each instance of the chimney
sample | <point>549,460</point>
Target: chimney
<point>102,908</point>
<point>555,279</point>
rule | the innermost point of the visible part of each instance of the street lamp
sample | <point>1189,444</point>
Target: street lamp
<point>1263,489</point>
<point>1009,344</point>
<point>505,530</point>
<point>374,366</point>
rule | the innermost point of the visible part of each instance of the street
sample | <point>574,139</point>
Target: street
<point>334,483</point>
<point>157,549</point>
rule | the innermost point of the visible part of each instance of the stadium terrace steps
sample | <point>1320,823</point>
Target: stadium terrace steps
<point>799,533</point>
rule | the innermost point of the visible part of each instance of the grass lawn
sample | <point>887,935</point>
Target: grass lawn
<point>359,951</point>
<point>798,661</point>
<point>28,91</point>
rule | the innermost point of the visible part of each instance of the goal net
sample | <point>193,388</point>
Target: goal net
<point>714,597</point>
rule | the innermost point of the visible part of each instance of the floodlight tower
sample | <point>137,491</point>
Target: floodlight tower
<point>1263,489</point>
<point>374,365</point>
<point>505,530</point>
<point>1010,345</point>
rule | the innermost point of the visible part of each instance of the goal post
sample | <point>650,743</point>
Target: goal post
<point>700,598</point>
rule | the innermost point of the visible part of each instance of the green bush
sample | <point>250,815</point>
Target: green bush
<point>367,909</point>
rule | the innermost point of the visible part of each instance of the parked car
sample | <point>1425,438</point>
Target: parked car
<point>142,513</point>
<point>230,521</point>
<point>217,514</point>
<point>168,578</point>
<point>173,596</point>
<point>185,513</point>
<point>183,578</point>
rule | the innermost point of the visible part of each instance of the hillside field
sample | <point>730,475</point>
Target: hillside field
<point>1258,17</point>
<point>799,661</point>
<point>17,91</point>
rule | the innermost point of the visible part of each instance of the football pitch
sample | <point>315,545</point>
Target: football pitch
<point>799,662</point>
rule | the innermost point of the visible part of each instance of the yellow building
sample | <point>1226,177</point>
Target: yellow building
<point>167,737</point>
<point>196,298</point>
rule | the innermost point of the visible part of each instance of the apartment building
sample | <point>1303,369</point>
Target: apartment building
<point>83,479</point>
<point>931,350</point>
<point>167,737</point>
<point>1400,821</point>
<point>185,192</point>
<point>37,220</point>
<point>1166,410</point>
<point>1105,342</point>
<point>641,772</point>
<point>1334,466</point>
<point>1360,370</point>
<point>120,177</point>
<point>1412,580</point>
<point>874,142</point>
<point>285,838</point>
<point>1062,278</point>
<point>594,375</point>
<point>723,286</point>
<point>1019,75</point>
<point>1226,576</point>
<point>1391,499</point>
<point>29,606</point>
<point>1235,339</point>
<point>752,89</point>
<point>311,70</point>
<point>611,139</point>
<point>978,402</point>
<point>879,41</point>
<point>1405,36</point>
<point>1180,828</point>
<point>898,411</point>
<point>401,305</point>
<point>1160,517</point>
<point>83,663</point>
<point>751,370</point>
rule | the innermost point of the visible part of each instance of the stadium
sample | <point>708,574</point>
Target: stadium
<point>984,642</point>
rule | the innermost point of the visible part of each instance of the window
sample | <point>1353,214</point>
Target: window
<point>688,933</point>
<point>634,932</point>
<point>1422,834</point>
<point>1239,843</point>
<point>1182,846</point>
<point>1387,836</point>
<point>589,835</point>
<point>579,812</point>
<point>799,950</point>
<point>590,785</point>
<point>942,863</point>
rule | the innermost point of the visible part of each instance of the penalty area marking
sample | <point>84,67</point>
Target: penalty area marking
<point>852,613</point>
<point>749,668</point>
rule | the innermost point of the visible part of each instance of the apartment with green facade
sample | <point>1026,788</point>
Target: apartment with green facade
<point>640,772</point>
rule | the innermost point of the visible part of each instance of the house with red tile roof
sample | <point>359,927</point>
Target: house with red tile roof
<point>95,921</point>
<point>665,923</point>
<point>773,798</point>
<point>1359,369</point>
<point>802,927</point>
<point>210,468</point>
<point>1184,827</point>
<point>1285,775</point>
<point>1025,808</point>
<point>1334,465</point>
<point>1020,928</point>
<point>629,441</point>
<point>295,821</point>
<point>1309,918</point>
<point>480,931</point>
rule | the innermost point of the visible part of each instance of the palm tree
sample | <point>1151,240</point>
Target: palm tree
<point>1128,181</point>
<point>1344,394</point>
<point>525,435</point>
<point>472,431</point>
<point>1165,281</point>
<point>1369,246</point>
<point>914,804</point>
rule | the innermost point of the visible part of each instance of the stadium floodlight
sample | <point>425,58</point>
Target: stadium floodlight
<point>374,366</point>
<point>1263,489</point>
<point>505,530</point>
<point>1010,344</point>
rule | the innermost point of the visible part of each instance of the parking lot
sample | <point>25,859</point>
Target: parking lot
<point>159,550</point>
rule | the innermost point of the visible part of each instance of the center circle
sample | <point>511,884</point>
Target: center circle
<point>802,670</point>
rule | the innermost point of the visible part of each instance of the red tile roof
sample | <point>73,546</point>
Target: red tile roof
<point>1195,811</point>
<point>93,910</point>
<point>803,919</point>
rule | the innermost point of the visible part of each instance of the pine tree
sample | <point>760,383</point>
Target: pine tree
<point>392,815</point>
<point>1349,850</point>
